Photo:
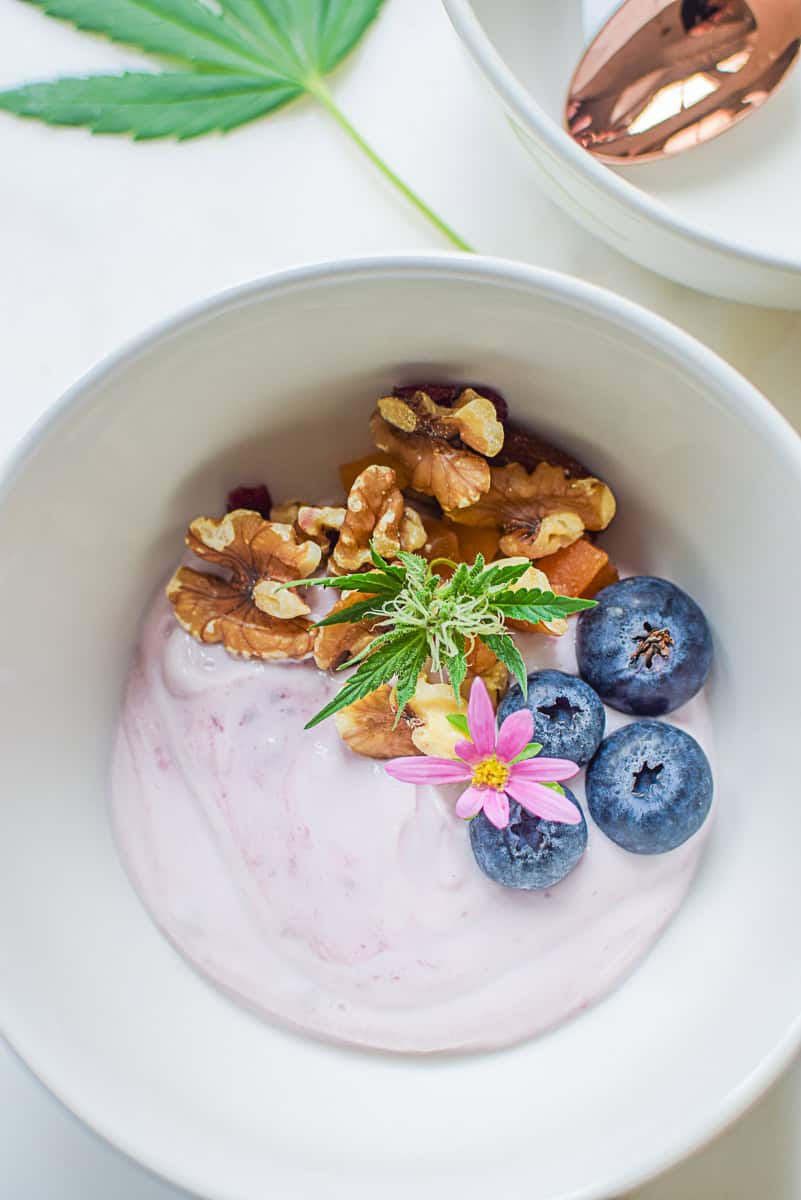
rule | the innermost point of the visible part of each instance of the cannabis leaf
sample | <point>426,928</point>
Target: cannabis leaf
<point>424,618</point>
<point>229,62</point>
<point>503,647</point>
<point>391,657</point>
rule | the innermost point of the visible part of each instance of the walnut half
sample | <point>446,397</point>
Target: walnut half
<point>334,645</point>
<point>244,608</point>
<point>541,511</point>
<point>368,727</point>
<point>454,476</point>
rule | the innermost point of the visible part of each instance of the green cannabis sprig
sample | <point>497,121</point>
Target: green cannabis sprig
<point>424,618</point>
<point>225,63</point>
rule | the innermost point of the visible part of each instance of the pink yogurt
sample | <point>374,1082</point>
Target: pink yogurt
<point>303,880</point>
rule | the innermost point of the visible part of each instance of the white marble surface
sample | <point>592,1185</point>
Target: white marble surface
<point>99,238</point>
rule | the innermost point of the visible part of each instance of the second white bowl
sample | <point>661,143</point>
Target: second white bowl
<point>722,218</point>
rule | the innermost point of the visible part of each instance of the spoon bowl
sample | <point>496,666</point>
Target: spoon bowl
<point>663,76</point>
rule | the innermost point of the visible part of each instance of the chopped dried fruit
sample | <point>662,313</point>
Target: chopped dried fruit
<point>442,540</point>
<point>254,499</point>
<point>349,471</point>
<point>460,543</point>
<point>474,541</point>
<point>529,449</point>
<point>541,512</point>
<point>245,611</point>
<point>471,419</point>
<point>607,576</point>
<point>376,513</point>
<point>334,645</point>
<point>455,477</point>
<point>368,727</point>
<point>448,393</point>
<point>579,570</point>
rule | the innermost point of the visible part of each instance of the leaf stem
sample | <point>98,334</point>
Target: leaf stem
<point>318,89</point>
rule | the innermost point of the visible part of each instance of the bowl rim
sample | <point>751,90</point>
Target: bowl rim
<point>735,392</point>
<point>534,117</point>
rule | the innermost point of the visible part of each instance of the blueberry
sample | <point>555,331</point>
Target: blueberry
<point>645,648</point>
<point>649,787</point>
<point>530,853</point>
<point>569,717</point>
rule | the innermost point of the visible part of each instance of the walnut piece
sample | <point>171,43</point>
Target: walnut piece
<point>320,524</point>
<point>368,727</point>
<point>428,712</point>
<point>244,608</point>
<point>376,512</point>
<point>334,645</point>
<point>539,512</point>
<point>286,513</point>
<point>432,703</point>
<point>454,476</point>
<point>471,419</point>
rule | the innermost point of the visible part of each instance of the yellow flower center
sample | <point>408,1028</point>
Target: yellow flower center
<point>491,773</point>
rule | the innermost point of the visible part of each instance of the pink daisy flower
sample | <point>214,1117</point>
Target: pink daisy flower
<point>497,767</point>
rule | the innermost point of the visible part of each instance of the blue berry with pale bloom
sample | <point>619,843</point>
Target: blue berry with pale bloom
<point>646,647</point>
<point>530,853</point>
<point>649,787</point>
<point>569,717</point>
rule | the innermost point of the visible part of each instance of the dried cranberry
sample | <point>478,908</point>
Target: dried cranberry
<point>529,449</point>
<point>447,394</point>
<point>256,498</point>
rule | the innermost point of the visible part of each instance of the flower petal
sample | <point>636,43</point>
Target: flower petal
<point>427,770</point>
<point>515,734</point>
<point>496,807</point>
<point>467,752</point>
<point>481,718</point>
<point>470,803</point>
<point>543,802</point>
<point>545,770</point>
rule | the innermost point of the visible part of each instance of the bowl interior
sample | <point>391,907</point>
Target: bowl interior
<point>739,188</point>
<point>276,383</point>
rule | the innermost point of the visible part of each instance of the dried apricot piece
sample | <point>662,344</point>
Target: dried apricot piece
<point>350,471</point>
<point>475,540</point>
<point>579,570</point>
<point>442,539</point>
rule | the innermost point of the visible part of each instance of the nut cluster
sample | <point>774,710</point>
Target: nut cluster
<point>474,483</point>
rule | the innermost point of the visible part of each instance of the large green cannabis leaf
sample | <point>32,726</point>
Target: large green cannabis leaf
<point>227,62</point>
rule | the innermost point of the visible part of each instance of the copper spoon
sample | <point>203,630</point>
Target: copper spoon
<point>665,75</point>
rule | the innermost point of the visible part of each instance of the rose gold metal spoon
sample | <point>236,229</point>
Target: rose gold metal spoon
<point>665,75</point>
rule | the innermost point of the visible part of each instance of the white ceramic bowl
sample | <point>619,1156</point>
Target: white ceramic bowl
<point>722,218</point>
<point>276,379</point>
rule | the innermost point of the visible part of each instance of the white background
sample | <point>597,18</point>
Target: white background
<point>100,238</point>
